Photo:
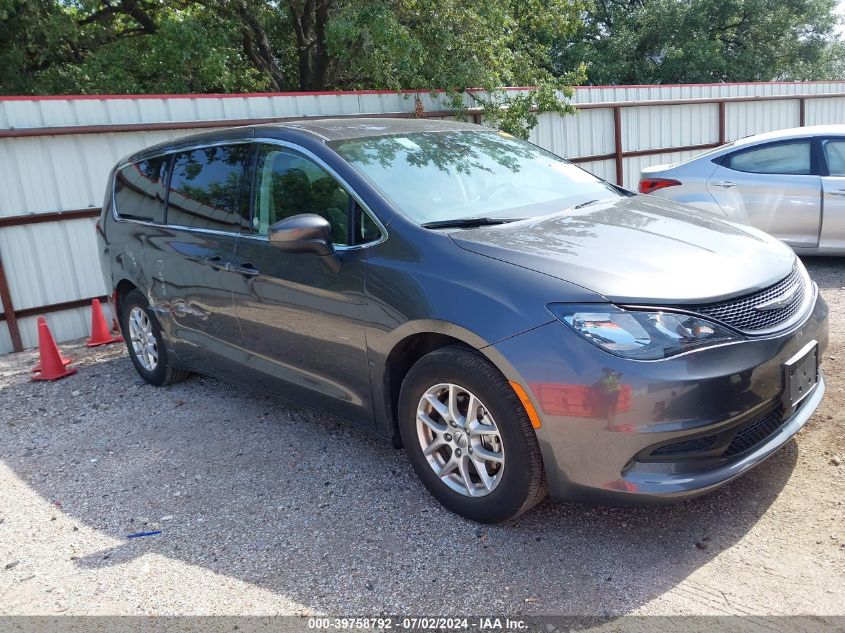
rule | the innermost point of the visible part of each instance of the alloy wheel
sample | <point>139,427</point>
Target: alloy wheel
<point>460,440</point>
<point>143,339</point>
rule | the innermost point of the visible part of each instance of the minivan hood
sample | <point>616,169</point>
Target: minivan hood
<point>639,249</point>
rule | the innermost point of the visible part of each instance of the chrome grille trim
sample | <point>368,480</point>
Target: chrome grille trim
<point>741,313</point>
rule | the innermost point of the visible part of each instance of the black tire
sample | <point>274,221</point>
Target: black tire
<point>164,372</point>
<point>522,484</point>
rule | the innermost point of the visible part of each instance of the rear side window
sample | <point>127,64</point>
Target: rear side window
<point>139,190</point>
<point>834,153</point>
<point>206,188</point>
<point>784,158</point>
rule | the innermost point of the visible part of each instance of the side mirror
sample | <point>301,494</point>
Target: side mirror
<point>305,233</point>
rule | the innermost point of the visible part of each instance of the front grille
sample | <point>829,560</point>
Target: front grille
<point>687,446</point>
<point>756,432</point>
<point>742,314</point>
<point>728,443</point>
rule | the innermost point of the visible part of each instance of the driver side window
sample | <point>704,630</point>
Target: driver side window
<point>289,184</point>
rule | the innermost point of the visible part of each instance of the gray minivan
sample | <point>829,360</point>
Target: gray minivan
<point>517,324</point>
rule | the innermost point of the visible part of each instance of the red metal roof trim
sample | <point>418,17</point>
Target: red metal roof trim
<point>236,95</point>
<point>331,93</point>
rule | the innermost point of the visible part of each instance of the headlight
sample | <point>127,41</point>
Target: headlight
<point>640,334</point>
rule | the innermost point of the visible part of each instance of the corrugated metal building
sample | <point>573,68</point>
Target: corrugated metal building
<point>56,152</point>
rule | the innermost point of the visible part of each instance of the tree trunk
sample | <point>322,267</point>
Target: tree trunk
<point>257,46</point>
<point>132,8</point>
<point>309,25</point>
<point>321,56</point>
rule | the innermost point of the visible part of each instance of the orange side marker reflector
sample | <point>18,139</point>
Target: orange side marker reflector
<point>529,408</point>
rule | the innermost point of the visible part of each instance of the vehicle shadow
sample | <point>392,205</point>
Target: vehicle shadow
<point>333,518</point>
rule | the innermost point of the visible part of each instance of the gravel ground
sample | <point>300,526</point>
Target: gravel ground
<point>268,509</point>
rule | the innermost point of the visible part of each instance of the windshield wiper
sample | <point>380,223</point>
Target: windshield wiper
<point>465,223</point>
<point>584,204</point>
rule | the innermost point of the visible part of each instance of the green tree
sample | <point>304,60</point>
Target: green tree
<point>459,44</point>
<point>697,41</point>
<point>148,46</point>
<point>54,47</point>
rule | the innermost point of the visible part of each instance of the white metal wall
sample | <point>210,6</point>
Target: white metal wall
<point>53,262</point>
<point>604,94</point>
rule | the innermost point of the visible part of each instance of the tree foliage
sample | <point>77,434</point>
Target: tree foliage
<point>698,41</point>
<point>151,46</point>
<point>196,46</point>
<point>458,44</point>
<point>125,46</point>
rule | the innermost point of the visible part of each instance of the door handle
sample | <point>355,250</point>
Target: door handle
<point>215,261</point>
<point>727,184</point>
<point>837,192</point>
<point>246,269</point>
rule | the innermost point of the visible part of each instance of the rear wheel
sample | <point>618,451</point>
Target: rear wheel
<point>469,438</point>
<point>142,334</point>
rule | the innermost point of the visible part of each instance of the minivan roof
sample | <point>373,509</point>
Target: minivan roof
<point>321,130</point>
<point>359,127</point>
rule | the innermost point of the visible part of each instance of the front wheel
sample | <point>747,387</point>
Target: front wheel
<point>469,438</point>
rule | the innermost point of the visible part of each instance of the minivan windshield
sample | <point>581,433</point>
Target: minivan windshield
<point>438,177</point>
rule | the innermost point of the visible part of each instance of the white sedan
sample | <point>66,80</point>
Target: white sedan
<point>789,183</point>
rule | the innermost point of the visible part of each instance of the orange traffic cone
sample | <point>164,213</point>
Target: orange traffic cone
<point>65,361</point>
<point>52,364</point>
<point>100,333</point>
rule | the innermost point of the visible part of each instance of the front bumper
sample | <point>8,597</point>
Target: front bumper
<point>599,442</point>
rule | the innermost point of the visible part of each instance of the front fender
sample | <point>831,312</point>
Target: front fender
<point>394,341</point>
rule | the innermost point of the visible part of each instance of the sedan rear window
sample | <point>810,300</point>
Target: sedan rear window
<point>784,158</point>
<point>439,176</point>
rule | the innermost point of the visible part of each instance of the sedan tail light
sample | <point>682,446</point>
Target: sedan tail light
<point>649,185</point>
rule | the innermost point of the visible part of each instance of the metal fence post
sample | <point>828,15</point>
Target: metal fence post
<point>9,311</point>
<point>617,139</point>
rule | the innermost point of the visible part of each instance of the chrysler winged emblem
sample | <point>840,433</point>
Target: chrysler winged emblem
<point>778,302</point>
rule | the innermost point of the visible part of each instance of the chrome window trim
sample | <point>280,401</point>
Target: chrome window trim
<point>262,238</point>
<point>187,148</point>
